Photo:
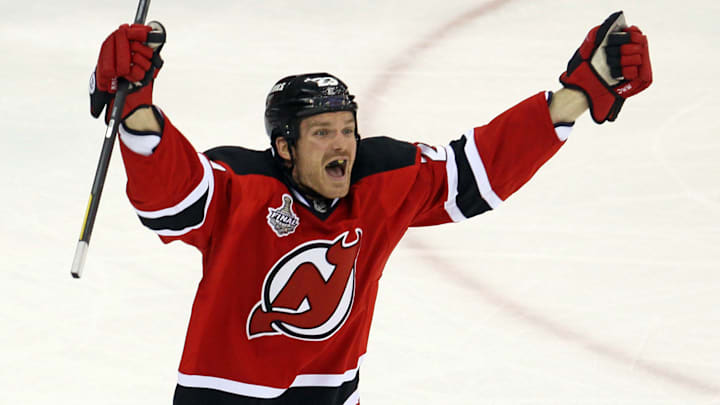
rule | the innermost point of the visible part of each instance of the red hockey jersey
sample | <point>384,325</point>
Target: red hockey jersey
<point>283,310</point>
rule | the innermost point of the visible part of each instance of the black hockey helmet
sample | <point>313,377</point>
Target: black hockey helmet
<point>296,97</point>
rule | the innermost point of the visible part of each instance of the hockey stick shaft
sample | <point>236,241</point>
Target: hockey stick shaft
<point>104,161</point>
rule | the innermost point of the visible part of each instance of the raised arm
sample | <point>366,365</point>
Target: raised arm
<point>489,163</point>
<point>170,185</point>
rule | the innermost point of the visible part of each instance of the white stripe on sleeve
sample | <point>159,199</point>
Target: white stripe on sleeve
<point>478,169</point>
<point>563,132</point>
<point>452,179</point>
<point>206,185</point>
<point>140,144</point>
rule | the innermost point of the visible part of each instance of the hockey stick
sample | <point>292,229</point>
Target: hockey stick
<point>102,167</point>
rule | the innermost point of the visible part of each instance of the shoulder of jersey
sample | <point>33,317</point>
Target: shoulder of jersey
<point>382,154</point>
<point>244,161</point>
<point>375,155</point>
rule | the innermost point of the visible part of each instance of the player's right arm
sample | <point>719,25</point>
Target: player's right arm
<point>170,185</point>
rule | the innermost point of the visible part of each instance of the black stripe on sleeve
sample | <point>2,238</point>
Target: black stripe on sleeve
<point>468,199</point>
<point>190,216</point>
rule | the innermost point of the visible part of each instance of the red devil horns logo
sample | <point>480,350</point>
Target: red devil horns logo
<point>309,292</point>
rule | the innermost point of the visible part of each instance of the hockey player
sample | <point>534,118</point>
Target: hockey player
<point>294,238</point>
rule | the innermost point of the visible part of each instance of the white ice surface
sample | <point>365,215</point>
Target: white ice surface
<point>598,282</point>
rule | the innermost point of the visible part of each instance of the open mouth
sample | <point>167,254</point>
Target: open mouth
<point>336,168</point>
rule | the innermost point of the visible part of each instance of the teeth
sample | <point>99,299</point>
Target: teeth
<point>341,161</point>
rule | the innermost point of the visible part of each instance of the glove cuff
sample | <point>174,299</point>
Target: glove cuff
<point>604,104</point>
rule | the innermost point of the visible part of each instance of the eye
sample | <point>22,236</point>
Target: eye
<point>321,132</point>
<point>348,131</point>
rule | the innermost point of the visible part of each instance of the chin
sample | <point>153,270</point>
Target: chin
<point>336,193</point>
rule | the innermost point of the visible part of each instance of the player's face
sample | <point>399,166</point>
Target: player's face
<point>325,153</point>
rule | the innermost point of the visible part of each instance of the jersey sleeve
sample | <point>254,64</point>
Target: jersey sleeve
<point>172,187</point>
<point>487,164</point>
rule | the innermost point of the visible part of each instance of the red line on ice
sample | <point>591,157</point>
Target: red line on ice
<point>380,85</point>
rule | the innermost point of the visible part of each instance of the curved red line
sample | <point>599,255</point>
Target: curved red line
<point>379,86</point>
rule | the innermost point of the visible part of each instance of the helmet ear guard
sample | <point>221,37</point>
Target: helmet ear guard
<point>289,132</point>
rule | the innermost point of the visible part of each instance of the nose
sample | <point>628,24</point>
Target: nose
<point>338,142</point>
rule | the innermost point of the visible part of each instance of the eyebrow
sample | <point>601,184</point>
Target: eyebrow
<point>313,124</point>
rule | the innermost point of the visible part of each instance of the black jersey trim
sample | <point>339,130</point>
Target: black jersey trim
<point>189,217</point>
<point>246,161</point>
<point>381,154</point>
<point>374,155</point>
<point>186,215</point>
<point>243,161</point>
<point>292,396</point>
<point>468,199</point>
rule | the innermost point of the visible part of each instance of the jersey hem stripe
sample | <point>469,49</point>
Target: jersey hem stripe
<point>265,392</point>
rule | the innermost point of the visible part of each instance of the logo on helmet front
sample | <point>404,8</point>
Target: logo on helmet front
<point>323,81</point>
<point>278,87</point>
<point>309,292</point>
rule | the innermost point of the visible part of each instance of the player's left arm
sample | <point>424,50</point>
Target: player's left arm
<point>481,169</point>
<point>490,163</point>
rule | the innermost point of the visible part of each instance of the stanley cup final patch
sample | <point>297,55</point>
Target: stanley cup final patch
<point>282,219</point>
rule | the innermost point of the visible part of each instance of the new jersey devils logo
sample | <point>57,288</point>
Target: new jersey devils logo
<point>309,292</point>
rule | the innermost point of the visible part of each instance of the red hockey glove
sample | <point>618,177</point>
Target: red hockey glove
<point>133,53</point>
<point>612,64</point>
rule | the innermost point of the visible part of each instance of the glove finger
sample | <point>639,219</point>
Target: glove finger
<point>136,74</point>
<point>142,62</point>
<point>138,32</point>
<point>631,60</point>
<point>640,46</point>
<point>616,72</point>
<point>618,38</point>
<point>631,49</point>
<point>633,29</point>
<point>106,62</point>
<point>614,63</point>
<point>614,51</point>
<point>638,38</point>
<point>630,72</point>
<point>645,69</point>
<point>143,50</point>
<point>122,52</point>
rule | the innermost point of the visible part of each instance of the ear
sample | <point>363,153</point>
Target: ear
<point>282,147</point>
